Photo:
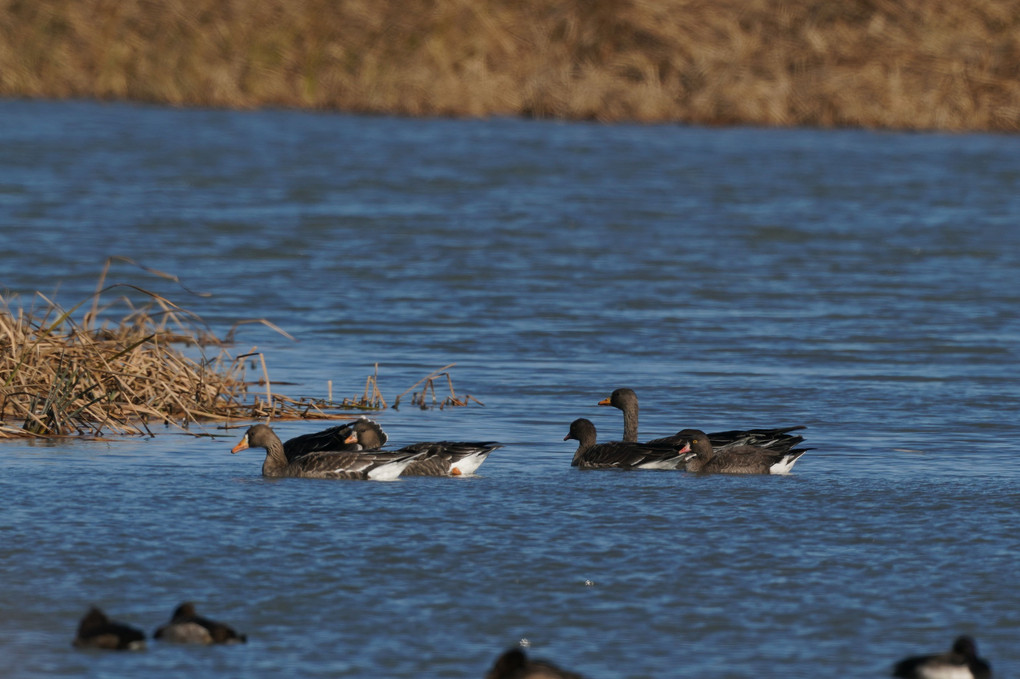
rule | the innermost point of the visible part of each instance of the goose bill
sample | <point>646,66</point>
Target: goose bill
<point>242,445</point>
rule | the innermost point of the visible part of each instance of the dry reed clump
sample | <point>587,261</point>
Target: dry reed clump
<point>60,377</point>
<point>913,64</point>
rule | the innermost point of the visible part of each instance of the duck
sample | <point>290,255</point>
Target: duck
<point>97,631</point>
<point>620,454</point>
<point>703,458</point>
<point>187,627</point>
<point>776,439</point>
<point>961,662</point>
<point>515,664</point>
<point>439,458</point>
<point>340,437</point>
<point>323,464</point>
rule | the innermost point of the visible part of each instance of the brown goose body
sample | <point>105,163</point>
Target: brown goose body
<point>97,631</point>
<point>620,454</point>
<point>734,459</point>
<point>187,627</point>
<point>347,464</point>
<point>438,458</point>
<point>778,439</point>
<point>961,662</point>
<point>515,664</point>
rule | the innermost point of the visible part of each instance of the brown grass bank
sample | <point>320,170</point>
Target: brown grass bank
<point>910,64</point>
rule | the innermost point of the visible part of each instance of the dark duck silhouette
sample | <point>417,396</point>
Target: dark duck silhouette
<point>961,662</point>
<point>777,439</point>
<point>335,439</point>
<point>620,454</point>
<point>323,464</point>
<point>97,631</point>
<point>438,458</point>
<point>188,627</point>
<point>515,664</point>
<point>703,458</point>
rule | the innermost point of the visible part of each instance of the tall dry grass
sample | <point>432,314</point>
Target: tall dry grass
<point>117,366</point>
<point>912,64</point>
<point>87,370</point>
<point>62,377</point>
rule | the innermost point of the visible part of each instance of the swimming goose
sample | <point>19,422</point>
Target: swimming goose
<point>620,454</point>
<point>439,458</point>
<point>735,459</point>
<point>775,439</point>
<point>514,664</point>
<point>334,439</point>
<point>97,631</point>
<point>962,662</point>
<point>187,627</point>
<point>323,464</point>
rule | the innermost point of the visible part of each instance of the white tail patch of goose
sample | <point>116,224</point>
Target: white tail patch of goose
<point>466,466</point>
<point>784,465</point>
<point>388,471</point>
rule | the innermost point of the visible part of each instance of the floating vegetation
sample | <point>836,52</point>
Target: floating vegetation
<point>97,376</point>
<point>372,398</point>
<point>428,388</point>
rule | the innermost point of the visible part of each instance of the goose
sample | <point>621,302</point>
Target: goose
<point>962,662</point>
<point>323,464</point>
<point>620,454</point>
<point>97,631</point>
<point>775,439</point>
<point>735,459</point>
<point>187,627</point>
<point>439,458</point>
<point>515,664</point>
<point>340,437</point>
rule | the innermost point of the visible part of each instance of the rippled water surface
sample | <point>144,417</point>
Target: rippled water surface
<point>863,284</point>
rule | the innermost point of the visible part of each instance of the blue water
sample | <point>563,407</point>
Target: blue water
<point>863,284</point>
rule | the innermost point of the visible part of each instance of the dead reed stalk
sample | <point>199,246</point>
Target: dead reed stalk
<point>428,383</point>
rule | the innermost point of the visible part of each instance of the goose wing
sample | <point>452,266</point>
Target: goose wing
<point>443,458</point>
<point>778,439</point>
<point>775,440</point>
<point>625,455</point>
<point>352,464</point>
